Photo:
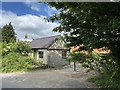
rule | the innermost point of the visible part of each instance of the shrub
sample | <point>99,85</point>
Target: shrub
<point>16,62</point>
<point>77,56</point>
<point>105,81</point>
<point>105,64</point>
<point>91,60</point>
<point>21,47</point>
<point>7,48</point>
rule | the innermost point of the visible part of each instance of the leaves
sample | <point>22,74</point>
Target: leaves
<point>95,25</point>
<point>8,34</point>
<point>16,62</point>
<point>90,23</point>
<point>21,47</point>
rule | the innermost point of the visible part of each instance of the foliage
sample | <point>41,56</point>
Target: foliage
<point>90,60</point>
<point>0,48</point>
<point>7,48</point>
<point>16,62</point>
<point>77,56</point>
<point>8,33</point>
<point>26,36</point>
<point>95,25</point>
<point>0,34</point>
<point>103,63</point>
<point>15,57</point>
<point>106,81</point>
<point>21,47</point>
<point>0,54</point>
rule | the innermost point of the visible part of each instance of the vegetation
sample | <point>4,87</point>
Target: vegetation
<point>102,63</point>
<point>0,34</point>
<point>15,55</point>
<point>17,62</point>
<point>95,25</point>
<point>8,33</point>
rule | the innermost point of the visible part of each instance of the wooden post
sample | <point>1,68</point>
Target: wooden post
<point>74,65</point>
<point>69,61</point>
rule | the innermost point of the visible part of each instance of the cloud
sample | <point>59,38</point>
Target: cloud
<point>42,7</point>
<point>33,5</point>
<point>33,26</point>
<point>51,10</point>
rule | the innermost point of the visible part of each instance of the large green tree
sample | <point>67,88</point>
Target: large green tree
<point>8,33</point>
<point>93,24</point>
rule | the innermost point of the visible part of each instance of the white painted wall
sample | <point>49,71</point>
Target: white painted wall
<point>45,55</point>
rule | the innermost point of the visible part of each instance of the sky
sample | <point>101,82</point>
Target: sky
<point>27,18</point>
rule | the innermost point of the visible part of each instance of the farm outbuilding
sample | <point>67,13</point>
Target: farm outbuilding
<point>50,50</point>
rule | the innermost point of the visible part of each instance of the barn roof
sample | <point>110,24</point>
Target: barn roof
<point>43,42</point>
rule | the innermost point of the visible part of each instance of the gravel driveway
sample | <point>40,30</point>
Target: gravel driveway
<point>49,78</point>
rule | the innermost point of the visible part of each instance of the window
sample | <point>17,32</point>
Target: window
<point>40,54</point>
<point>64,54</point>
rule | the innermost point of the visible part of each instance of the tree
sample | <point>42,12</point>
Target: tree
<point>8,33</point>
<point>95,25</point>
<point>26,36</point>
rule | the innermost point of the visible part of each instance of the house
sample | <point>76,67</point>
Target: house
<point>95,50</point>
<point>50,50</point>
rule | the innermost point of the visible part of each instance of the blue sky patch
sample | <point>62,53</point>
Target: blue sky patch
<point>34,8</point>
<point>27,18</point>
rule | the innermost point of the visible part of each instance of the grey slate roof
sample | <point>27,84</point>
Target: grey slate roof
<point>43,42</point>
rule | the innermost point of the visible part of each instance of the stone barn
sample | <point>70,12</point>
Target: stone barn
<point>50,50</point>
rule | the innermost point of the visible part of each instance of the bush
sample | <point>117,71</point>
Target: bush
<point>21,47</point>
<point>16,62</point>
<point>91,60</point>
<point>7,48</point>
<point>104,63</point>
<point>105,81</point>
<point>77,56</point>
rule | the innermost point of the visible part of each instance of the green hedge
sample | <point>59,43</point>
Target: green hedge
<point>16,62</point>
